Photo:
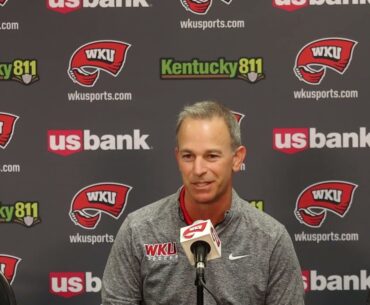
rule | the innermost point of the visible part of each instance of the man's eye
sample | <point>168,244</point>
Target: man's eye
<point>187,157</point>
<point>212,156</point>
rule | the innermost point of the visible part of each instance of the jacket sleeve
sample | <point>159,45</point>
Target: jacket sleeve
<point>285,286</point>
<point>121,279</point>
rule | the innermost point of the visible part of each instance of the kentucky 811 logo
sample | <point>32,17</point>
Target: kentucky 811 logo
<point>88,60</point>
<point>317,199</point>
<point>199,7</point>
<point>3,2</point>
<point>90,202</point>
<point>315,58</point>
<point>23,71</point>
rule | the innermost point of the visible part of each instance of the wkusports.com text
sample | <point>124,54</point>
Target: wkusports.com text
<point>211,24</point>
<point>9,26</point>
<point>99,96</point>
<point>10,168</point>
<point>330,94</point>
<point>326,237</point>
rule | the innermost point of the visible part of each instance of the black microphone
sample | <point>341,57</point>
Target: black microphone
<point>200,243</point>
<point>199,233</point>
<point>200,250</point>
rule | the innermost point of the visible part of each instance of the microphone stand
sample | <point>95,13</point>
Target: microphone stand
<point>200,295</point>
<point>200,250</point>
<point>199,280</point>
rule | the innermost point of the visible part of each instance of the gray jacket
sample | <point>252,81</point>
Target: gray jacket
<point>147,265</point>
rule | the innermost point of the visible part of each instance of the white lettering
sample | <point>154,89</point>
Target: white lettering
<point>328,195</point>
<point>364,138</point>
<point>64,3</point>
<point>93,283</point>
<point>115,3</point>
<point>102,196</point>
<point>327,52</point>
<point>317,140</point>
<point>62,142</point>
<point>101,54</point>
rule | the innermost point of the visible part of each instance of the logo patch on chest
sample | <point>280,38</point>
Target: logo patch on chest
<point>161,251</point>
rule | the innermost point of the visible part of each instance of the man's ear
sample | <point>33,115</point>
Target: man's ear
<point>239,156</point>
<point>177,154</point>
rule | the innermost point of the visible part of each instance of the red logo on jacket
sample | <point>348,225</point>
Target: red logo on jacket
<point>161,251</point>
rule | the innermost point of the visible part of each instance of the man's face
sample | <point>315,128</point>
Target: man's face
<point>206,159</point>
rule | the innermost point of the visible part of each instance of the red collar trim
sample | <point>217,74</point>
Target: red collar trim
<point>185,213</point>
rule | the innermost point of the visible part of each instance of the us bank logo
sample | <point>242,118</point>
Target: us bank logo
<point>68,6</point>
<point>199,7</point>
<point>68,142</point>
<point>293,5</point>
<point>72,284</point>
<point>313,280</point>
<point>294,140</point>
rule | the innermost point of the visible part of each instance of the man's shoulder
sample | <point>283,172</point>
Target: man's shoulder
<point>156,211</point>
<point>259,220</point>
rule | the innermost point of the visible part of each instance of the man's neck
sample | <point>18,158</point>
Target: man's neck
<point>215,211</point>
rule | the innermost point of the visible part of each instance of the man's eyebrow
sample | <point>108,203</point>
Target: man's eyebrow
<point>214,151</point>
<point>209,151</point>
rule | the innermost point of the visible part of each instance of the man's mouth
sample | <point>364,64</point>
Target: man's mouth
<point>201,184</point>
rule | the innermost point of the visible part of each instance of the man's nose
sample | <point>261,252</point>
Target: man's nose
<point>199,166</point>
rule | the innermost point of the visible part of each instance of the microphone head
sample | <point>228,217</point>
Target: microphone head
<point>201,230</point>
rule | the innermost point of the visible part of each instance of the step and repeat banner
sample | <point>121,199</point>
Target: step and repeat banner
<point>90,90</point>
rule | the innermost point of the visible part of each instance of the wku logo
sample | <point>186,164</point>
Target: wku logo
<point>8,266</point>
<point>7,123</point>
<point>3,2</point>
<point>90,202</point>
<point>316,200</point>
<point>199,7</point>
<point>315,58</point>
<point>239,116</point>
<point>161,251</point>
<point>87,61</point>
<point>199,227</point>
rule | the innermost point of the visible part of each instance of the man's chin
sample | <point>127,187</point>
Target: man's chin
<point>203,198</point>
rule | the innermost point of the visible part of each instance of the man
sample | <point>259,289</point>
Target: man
<point>258,264</point>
